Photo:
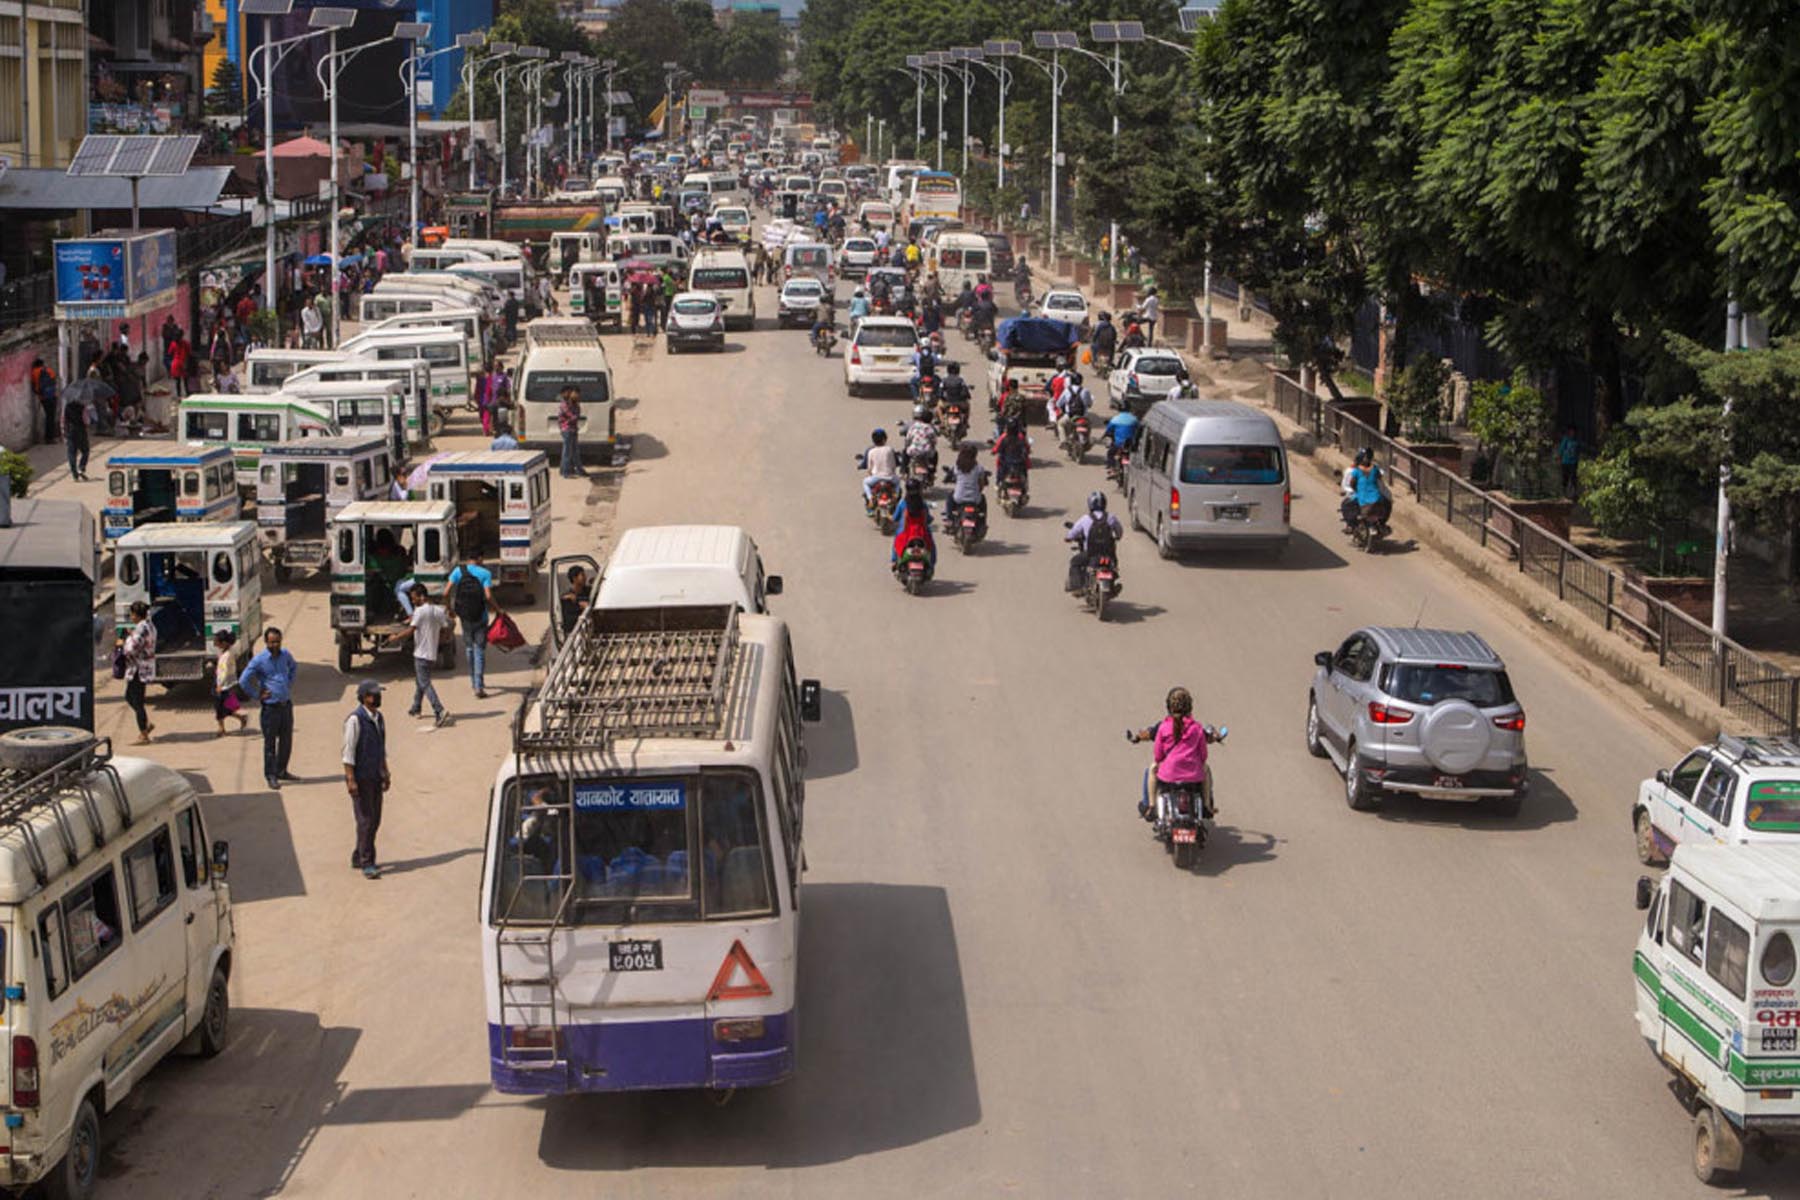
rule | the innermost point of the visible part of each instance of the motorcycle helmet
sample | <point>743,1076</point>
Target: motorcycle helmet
<point>1096,502</point>
<point>1180,703</point>
<point>1364,457</point>
<point>1074,378</point>
<point>921,413</point>
<point>879,437</point>
<point>954,368</point>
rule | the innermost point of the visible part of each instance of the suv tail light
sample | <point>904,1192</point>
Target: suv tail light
<point>1174,504</point>
<point>24,1073</point>
<point>1514,722</point>
<point>1381,714</point>
<point>855,357</point>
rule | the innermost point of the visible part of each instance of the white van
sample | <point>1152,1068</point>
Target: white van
<point>496,250</point>
<point>725,187</point>
<point>812,259</point>
<point>559,359</point>
<point>960,258</point>
<point>612,190</point>
<point>412,373</point>
<point>439,258</point>
<point>119,938</point>
<point>372,307</point>
<point>568,247</point>
<point>467,292</point>
<point>1209,473</point>
<point>725,272</point>
<point>512,278</point>
<point>899,177</point>
<point>657,566</point>
<point>265,370</point>
<point>1717,998</point>
<point>447,350</point>
<point>470,322</point>
<point>657,249</point>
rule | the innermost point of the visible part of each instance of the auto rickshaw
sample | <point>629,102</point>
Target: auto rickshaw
<point>300,484</point>
<point>198,580</point>
<point>377,545</point>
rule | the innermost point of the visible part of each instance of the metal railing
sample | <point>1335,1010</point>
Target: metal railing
<point>1755,690</point>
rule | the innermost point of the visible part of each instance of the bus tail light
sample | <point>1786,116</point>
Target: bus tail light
<point>1174,504</point>
<point>24,1073</point>
<point>1777,1093</point>
<point>531,1037</point>
<point>1382,714</point>
<point>738,1029</point>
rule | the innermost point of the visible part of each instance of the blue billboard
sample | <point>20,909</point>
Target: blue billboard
<point>90,271</point>
<point>115,269</point>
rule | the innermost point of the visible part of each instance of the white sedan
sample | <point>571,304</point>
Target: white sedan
<point>857,255</point>
<point>1066,304</point>
<point>879,354</point>
<point>1149,373</point>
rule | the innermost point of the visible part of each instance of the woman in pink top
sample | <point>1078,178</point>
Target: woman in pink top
<point>1179,743</point>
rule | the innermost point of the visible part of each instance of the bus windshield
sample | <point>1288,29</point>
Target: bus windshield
<point>545,387</point>
<point>634,850</point>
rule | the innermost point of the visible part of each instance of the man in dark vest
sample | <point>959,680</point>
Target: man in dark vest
<point>366,772</point>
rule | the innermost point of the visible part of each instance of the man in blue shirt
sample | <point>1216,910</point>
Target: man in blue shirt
<point>470,593</point>
<point>1119,434</point>
<point>270,677</point>
<point>503,438</point>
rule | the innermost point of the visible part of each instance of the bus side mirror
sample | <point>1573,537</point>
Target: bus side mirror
<point>221,858</point>
<point>772,586</point>
<point>810,700</point>
<point>1645,888</point>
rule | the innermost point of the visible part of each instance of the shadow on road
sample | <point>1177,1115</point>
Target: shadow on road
<point>1228,848</point>
<point>428,861</point>
<point>831,744</point>
<point>1546,804</point>
<point>885,1059</point>
<point>263,863</point>
<point>1304,553</point>
<point>647,447</point>
<point>272,1124</point>
<point>1124,612</point>
<point>992,549</point>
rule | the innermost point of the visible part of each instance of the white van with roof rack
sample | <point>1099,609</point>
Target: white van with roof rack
<point>661,565</point>
<point>116,933</point>
<point>560,352</point>
<point>1736,790</point>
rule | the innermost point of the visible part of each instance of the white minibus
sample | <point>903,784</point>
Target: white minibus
<point>264,370</point>
<point>562,357</point>
<point>447,350</point>
<point>725,272</point>
<point>1209,473</point>
<point>413,373</point>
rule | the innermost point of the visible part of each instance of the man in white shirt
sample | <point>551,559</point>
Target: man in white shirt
<point>310,325</point>
<point>1151,307</point>
<point>429,622</point>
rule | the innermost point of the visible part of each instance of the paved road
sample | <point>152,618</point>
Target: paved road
<point>1006,987</point>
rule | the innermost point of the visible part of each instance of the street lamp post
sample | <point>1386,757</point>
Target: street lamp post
<point>572,111</point>
<point>670,71</point>
<point>409,77</point>
<point>1115,33</point>
<point>611,65</point>
<point>497,53</point>
<point>965,74</point>
<point>1000,49</point>
<point>915,67</point>
<point>335,19</point>
<point>273,52</point>
<point>1055,41</point>
<point>935,59</point>
<point>530,56</point>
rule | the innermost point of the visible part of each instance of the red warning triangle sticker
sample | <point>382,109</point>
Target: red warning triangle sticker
<point>738,963</point>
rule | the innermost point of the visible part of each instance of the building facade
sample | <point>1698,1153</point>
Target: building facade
<point>43,81</point>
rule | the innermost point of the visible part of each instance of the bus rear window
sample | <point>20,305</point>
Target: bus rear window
<point>719,277</point>
<point>1241,465</point>
<point>1773,806</point>
<point>545,387</point>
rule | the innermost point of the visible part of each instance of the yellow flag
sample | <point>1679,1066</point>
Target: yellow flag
<point>659,112</point>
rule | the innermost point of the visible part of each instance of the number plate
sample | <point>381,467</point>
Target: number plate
<point>915,565</point>
<point>1232,512</point>
<point>635,956</point>
<point>1448,782</point>
<point>1185,835</point>
<point>1780,1039</point>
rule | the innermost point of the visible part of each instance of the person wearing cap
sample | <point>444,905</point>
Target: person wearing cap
<point>366,772</point>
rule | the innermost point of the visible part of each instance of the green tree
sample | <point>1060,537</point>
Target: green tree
<point>1514,420</point>
<point>753,49</point>
<point>225,98</point>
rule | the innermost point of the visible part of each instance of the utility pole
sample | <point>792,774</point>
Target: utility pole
<point>1734,340</point>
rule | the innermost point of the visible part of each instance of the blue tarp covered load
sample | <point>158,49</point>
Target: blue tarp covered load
<point>1036,335</point>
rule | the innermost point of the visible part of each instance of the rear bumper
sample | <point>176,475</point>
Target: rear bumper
<point>709,337</point>
<point>626,1056</point>
<point>1249,538</point>
<point>1471,785</point>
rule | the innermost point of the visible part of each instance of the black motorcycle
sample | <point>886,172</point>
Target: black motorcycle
<point>1182,812</point>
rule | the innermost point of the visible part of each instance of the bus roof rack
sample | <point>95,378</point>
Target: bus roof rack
<point>634,672</point>
<point>24,792</point>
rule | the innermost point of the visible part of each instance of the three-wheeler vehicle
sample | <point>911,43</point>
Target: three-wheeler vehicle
<point>376,545</point>
<point>149,486</point>
<point>198,579</point>
<point>502,503</point>
<point>300,485</point>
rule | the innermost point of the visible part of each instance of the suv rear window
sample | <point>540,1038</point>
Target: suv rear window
<point>1773,806</point>
<point>886,335</point>
<point>1426,683</point>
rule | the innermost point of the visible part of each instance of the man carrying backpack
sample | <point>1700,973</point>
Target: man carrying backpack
<point>471,596</point>
<point>1096,535</point>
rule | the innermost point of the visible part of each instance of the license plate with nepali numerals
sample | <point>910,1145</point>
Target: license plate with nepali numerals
<point>1232,512</point>
<point>1185,835</point>
<point>642,955</point>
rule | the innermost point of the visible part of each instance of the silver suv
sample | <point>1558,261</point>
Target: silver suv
<point>1425,711</point>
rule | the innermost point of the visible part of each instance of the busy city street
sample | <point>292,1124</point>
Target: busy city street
<point>1007,987</point>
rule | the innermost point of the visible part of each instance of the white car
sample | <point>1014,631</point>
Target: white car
<point>1066,304</point>
<point>879,354</point>
<point>1148,374</point>
<point>857,255</point>
<point>696,319</point>
<point>800,301</point>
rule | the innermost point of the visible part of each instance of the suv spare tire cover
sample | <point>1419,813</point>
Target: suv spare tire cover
<point>41,747</point>
<point>1454,736</point>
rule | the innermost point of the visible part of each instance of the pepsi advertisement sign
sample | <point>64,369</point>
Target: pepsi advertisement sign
<point>89,272</point>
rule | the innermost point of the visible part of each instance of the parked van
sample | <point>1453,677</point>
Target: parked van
<point>563,357</point>
<point>379,306</point>
<point>265,370</point>
<point>248,423</point>
<point>1209,473</point>
<point>301,485</point>
<point>725,186</point>
<point>725,272</point>
<point>470,322</point>
<point>198,580</point>
<point>657,249</point>
<point>467,292</point>
<point>367,406</point>
<point>447,350</point>
<point>496,250</point>
<point>414,374</point>
<point>659,566</point>
<point>606,280</point>
<point>119,937</point>
<point>502,503</point>
<point>171,483</point>
<point>612,190</point>
<point>959,258</point>
<point>1717,999</point>
<point>511,277</point>
<point>569,247</point>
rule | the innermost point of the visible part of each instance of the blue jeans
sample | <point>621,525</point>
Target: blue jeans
<point>422,689</point>
<point>571,453</point>
<point>277,721</point>
<point>475,646</point>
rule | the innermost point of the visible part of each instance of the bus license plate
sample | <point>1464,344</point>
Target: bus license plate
<point>1779,1040</point>
<point>1184,835</point>
<point>1232,512</point>
<point>635,956</point>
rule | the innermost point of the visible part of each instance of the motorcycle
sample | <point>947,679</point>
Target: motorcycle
<point>928,390</point>
<point>1022,296</point>
<point>1100,580</point>
<point>913,567</point>
<point>1116,467</point>
<point>936,342</point>
<point>965,322</point>
<point>1370,528</point>
<point>968,521</point>
<point>1013,492</point>
<point>1079,437</point>
<point>884,497</point>
<point>922,468</point>
<point>953,420</point>
<point>1183,811</point>
<point>825,342</point>
<point>984,341</point>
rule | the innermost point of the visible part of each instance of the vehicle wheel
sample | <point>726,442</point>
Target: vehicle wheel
<point>1184,855</point>
<point>75,1176</point>
<point>42,747</point>
<point>436,423</point>
<point>1165,549</point>
<point>346,648</point>
<point>1646,839</point>
<point>850,390</point>
<point>1315,745</point>
<point>1706,1147</point>
<point>1357,792</point>
<point>1131,513</point>
<point>215,1022</point>
<point>1100,604</point>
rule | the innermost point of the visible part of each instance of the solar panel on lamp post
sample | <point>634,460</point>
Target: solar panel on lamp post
<point>1192,18</point>
<point>1115,34</point>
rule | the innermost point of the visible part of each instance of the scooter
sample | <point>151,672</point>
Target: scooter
<point>954,421</point>
<point>1180,813</point>
<point>1116,467</point>
<point>922,468</point>
<point>913,567</point>
<point>884,497</point>
<point>968,521</point>
<point>1013,492</point>
<point>1079,437</point>
<point>825,341</point>
<point>1370,528</point>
